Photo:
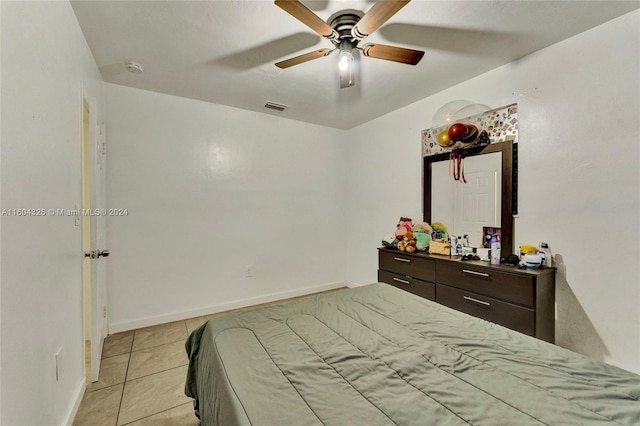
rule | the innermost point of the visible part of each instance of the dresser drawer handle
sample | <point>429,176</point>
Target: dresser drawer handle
<point>401,280</point>
<point>401,259</point>
<point>482,302</point>
<point>482,274</point>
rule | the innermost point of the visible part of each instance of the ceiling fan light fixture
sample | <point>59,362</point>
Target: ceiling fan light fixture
<point>345,57</point>
<point>345,63</point>
<point>345,60</point>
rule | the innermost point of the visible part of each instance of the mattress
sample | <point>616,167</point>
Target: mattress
<point>377,355</point>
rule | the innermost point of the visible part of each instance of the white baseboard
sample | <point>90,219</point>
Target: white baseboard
<point>351,284</point>
<point>73,410</point>
<point>177,316</point>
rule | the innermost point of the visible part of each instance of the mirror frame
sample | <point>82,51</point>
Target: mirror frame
<point>508,172</point>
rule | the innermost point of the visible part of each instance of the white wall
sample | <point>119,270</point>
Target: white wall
<point>211,189</point>
<point>45,63</point>
<point>579,178</point>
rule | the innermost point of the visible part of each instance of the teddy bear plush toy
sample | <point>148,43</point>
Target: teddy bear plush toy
<point>422,232</point>
<point>408,243</point>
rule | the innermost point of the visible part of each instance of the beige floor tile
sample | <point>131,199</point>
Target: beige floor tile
<point>117,344</point>
<point>159,335</point>
<point>153,394</point>
<point>113,371</point>
<point>99,407</point>
<point>182,415</point>
<point>156,359</point>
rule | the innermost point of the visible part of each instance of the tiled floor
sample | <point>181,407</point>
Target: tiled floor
<point>142,377</point>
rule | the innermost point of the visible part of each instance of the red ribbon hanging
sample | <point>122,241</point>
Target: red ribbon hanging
<point>458,165</point>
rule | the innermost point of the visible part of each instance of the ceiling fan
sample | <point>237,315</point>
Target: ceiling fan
<point>346,30</point>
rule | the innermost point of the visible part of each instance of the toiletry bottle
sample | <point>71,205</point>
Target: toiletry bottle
<point>465,239</point>
<point>495,249</point>
<point>459,247</point>
<point>545,251</point>
<point>543,257</point>
<point>454,248</point>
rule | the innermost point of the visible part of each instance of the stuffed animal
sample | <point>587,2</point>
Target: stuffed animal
<point>408,243</point>
<point>405,225</point>
<point>439,231</point>
<point>422,232</point>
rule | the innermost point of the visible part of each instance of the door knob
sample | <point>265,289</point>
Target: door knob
<point>95,254</point>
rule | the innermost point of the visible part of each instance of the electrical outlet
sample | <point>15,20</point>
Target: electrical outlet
<point>248,271</point>
<point>59,363</point>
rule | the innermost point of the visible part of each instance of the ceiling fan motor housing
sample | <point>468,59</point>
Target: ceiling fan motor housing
<point>344,24</point>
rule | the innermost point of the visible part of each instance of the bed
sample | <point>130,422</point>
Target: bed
<point>377,355</point>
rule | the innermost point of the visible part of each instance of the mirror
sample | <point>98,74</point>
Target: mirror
<point>468,207</point>
<point>484,201</point>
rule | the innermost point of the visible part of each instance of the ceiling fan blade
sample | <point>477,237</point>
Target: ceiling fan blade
<point>376,16</point>
<point>307,17</point>
<point>392,53</point>
<point>303,58</point>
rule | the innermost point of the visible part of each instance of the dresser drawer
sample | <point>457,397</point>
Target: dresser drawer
<point>412,266</point>
<point>508,315</point>
<point>412,285</point>
<point>488,281</point>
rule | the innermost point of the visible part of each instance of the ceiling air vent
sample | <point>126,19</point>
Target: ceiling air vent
<point>276,107</point>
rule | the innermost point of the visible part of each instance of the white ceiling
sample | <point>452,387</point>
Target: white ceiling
<point>224,51</point>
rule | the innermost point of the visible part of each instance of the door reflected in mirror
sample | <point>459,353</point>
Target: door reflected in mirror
<point>466,210</point>
<point>468,207</point>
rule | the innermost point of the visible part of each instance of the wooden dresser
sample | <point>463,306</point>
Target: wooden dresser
<point>520,299</point>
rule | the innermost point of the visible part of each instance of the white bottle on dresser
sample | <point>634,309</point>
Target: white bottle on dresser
<point>545,252</point>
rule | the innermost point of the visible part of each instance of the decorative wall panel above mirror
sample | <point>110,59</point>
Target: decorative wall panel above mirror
<point>501,124</point>
<point>471,186</point>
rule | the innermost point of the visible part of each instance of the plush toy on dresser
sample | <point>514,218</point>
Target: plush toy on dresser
<point>408,243</point>
<point>422,233</point>
<point>439,231</point>
<point>405,225</point>
<point>397,238</point>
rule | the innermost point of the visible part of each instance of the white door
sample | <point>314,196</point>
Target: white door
<point>101,230</point>
<point>94,235</point>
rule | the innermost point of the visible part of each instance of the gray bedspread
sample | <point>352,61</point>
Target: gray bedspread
<point>377,355</point>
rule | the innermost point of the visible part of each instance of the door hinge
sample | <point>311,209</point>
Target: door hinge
<point>104,312</point>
